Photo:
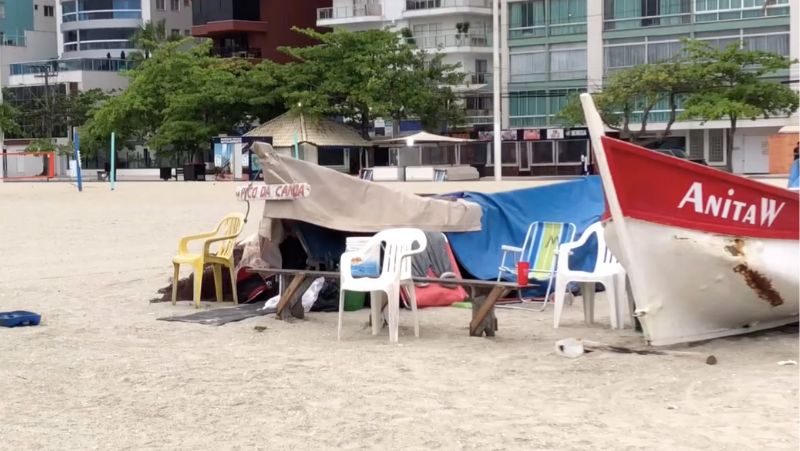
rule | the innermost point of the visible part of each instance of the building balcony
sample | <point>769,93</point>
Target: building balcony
<point>686,13</point>
<point>12,40</point>
<point>236,52</point>
<point>477,117</point>
<point>68,65</point>
<point>342,15</point>
<point>416,8</point>
<point>459,42</point>
<point>211,29</point>
<point>104,14</point>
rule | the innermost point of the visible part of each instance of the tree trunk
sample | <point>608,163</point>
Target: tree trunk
<point>731,133</point>
<point>364,125</point>
<point>673,106</point>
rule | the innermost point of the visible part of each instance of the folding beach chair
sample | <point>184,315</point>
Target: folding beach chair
<point>540,250</point>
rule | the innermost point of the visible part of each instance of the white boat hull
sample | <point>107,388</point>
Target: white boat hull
<point>701,285</point>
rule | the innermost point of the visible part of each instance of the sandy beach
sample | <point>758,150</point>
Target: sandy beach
<point>102,373</point>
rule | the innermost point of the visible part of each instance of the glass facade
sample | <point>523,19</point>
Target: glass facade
<point>537,108</point>
<point>98,39</point>
<point>16,17</point>
<point>539,18</point>
<point>78,10</point>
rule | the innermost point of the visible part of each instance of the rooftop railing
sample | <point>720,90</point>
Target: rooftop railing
<point>346,12</point>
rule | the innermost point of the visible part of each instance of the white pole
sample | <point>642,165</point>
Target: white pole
<point>2,135</point>
<point>496,79</point>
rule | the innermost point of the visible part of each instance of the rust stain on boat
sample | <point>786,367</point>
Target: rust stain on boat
<point>760,284</point>
<point>736,248</point>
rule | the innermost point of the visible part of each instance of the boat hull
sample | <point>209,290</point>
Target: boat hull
<point>701,285</point>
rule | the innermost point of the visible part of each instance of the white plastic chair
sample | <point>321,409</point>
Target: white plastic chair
<point>607,271</point>
<point>395,274</point>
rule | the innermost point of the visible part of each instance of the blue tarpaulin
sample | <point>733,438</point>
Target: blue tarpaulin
<point>794,175</point>
<point>507,215</point>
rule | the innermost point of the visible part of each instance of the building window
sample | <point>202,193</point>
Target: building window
<point>174,5</point>
<point>187,32</point>
<point>570,151</point>
<point>567,17</point>
<point>537,108</point>
<point>527,19</point>
<point>628,14</point>
<point>187,3</point>
<point>49,11</point>
<point>529,66</point>
<point>542,153</point>
<point>334,157</point>
<point>160,5</point>
<point>567,62</point>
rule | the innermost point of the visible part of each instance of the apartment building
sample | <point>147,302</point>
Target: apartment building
<point>556,47</point>
<point>460,29</point>
<point>92,39</point>
<point>551,48</point>
<point>27,32</point>
<point>253,28</point>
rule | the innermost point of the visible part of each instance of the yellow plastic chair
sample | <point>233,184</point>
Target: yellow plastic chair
<point>226,232</point>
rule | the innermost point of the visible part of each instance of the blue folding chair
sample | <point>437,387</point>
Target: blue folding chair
<point>540,250</point>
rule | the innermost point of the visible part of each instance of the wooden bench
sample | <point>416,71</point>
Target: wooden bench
<point>483,314</point>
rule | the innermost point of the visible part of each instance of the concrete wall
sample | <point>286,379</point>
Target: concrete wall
<point>41,45</point>
<point>42,22</point>
<point>175,20</point>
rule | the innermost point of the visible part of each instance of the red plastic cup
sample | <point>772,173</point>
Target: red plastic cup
<point>522,273</point>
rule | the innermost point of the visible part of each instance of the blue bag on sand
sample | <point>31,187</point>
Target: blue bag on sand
<point>19,318</point>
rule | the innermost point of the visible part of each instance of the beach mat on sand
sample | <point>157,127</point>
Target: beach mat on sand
<point>220,316</point>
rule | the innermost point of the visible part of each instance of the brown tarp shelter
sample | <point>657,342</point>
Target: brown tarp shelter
<point>342,202</point>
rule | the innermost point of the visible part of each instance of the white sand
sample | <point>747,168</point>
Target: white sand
<point>102,373</point>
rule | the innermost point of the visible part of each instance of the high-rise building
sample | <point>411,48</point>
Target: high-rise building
<point>460,29</point>
<point>253,28</point>
<point>27,32</point>
<point>551,48</point>
<point>93,39</point>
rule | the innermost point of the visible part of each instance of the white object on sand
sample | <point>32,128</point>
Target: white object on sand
<point>569,347</point>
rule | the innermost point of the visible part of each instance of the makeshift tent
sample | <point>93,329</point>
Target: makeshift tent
<point>506,217</point>
<point>343,203</point>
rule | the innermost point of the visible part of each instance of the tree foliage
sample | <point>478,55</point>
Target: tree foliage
<point>181,97</point>
<point>714,83</point>
<point>732,83</point>
<point>631,95</point>
<point>149,37</point>
<point>8,118</point>
<point>370,74</point>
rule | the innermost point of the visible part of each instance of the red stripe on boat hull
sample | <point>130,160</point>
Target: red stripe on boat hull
<point>670,191</point>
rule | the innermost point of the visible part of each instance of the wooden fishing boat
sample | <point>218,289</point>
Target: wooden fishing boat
<point>709,254</point>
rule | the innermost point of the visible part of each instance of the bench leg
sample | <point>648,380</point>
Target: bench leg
<point>483,318</point>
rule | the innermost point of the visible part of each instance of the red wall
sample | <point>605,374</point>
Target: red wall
<point>281,16</point>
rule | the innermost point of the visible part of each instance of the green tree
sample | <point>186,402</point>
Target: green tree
<point>8,118</point>
<point>181,97</point>
<point>370,74</point>
<point>732,83</point>
<point>630,95</point>
<point>148,38</point>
